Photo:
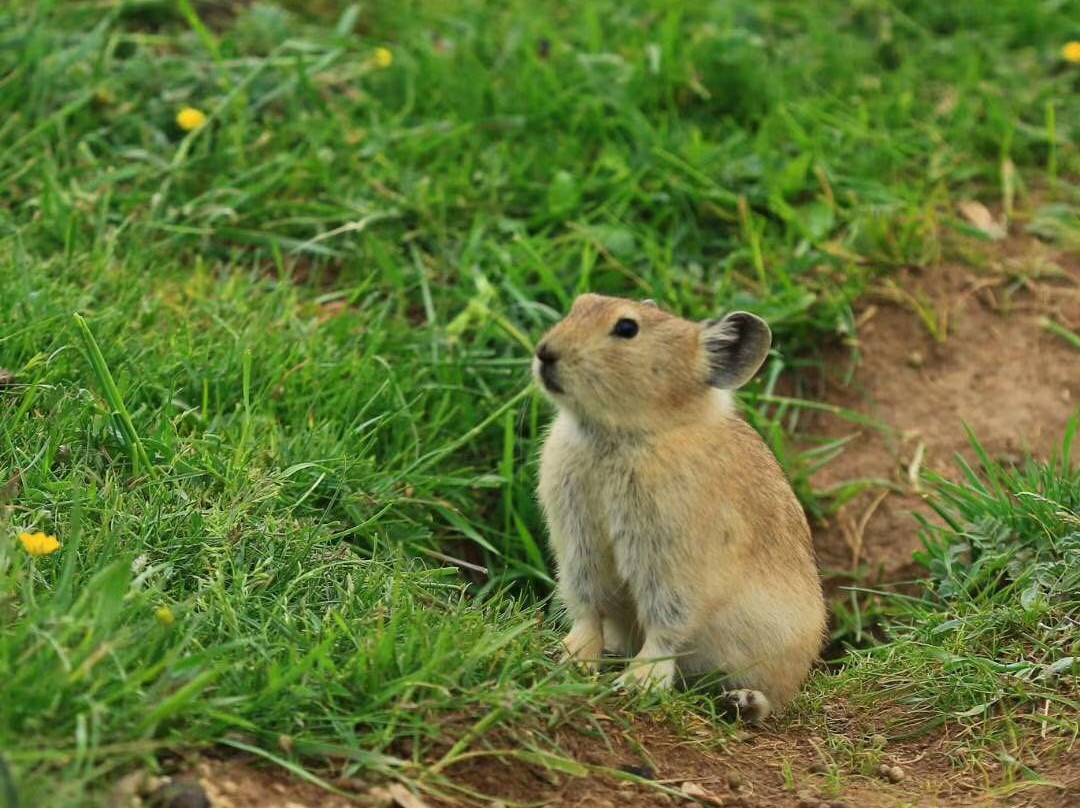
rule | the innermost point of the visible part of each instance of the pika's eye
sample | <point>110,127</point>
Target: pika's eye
<point>625,328</point>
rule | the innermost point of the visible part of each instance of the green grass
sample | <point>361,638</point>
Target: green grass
<point>294,407</point>
<point>991,645</point>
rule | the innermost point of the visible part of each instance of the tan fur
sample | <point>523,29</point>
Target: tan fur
<point>676,535</point>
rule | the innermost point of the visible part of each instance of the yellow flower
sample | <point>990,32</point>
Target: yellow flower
<point>39,544</point>
<point>1071,51</point>
<point>164,616</point>
<point>190,119</point>
<point>383,57</point>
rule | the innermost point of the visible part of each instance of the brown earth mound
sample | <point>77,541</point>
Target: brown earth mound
<point>992,365</point>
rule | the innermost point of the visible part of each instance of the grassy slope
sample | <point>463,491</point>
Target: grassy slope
<point>318,308</point>
<point>990,645</point>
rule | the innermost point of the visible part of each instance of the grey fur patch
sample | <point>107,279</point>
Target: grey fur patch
<point>736,346</point>
<point>659,606</point>
<point>643,550</point>
<point>581,572</point>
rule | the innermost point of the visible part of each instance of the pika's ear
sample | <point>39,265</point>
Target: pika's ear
<point>735,347</point>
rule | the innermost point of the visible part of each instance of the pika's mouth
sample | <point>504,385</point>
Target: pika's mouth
<point>546,372</point>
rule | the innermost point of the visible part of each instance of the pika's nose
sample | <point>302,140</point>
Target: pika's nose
<point>546,355</point>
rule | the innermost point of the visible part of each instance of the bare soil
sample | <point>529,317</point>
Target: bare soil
<point>782,766</point>
<point>977,354</point>
<point>788,766</point>
<point>993,367</point>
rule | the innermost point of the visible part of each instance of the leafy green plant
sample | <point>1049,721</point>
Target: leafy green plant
<point>991,645</point>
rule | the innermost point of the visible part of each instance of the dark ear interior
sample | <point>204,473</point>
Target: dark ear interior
<point>735,346</point>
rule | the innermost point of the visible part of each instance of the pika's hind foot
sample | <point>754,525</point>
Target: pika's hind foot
<point>750,705</point>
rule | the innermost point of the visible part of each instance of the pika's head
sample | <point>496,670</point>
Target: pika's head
<point>623,363</point>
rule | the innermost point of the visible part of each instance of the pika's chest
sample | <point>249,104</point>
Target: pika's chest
<point>602,488</point>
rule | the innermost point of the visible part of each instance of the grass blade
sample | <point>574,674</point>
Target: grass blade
<point>139,459</point>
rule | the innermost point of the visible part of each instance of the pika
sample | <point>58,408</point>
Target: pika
<point>677,538</point>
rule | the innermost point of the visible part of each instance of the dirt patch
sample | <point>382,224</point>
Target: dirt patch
<point>940,348</point>
<point>788,766</point>
<point>847,764</point>
<point>228,781</point>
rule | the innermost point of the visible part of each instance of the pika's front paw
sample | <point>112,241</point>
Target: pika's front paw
<point>583,645</point>
<point>647,675</point>
<point>750,705</point>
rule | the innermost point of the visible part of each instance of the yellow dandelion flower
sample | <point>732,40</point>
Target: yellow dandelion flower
<point>189,119</point>
<point>39,544</point>
<point>1071,51</point>
<point>383,57</point>
<point>164,616</point>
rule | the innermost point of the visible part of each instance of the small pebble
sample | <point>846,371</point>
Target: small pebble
<point>696,792</point>
<point>877,740</point>
<point>180,794</point>
<point>894,774</point>
<point>644,772</point>
<point>819,768</point>
<point>734,781</point>
<point>915,359</point>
